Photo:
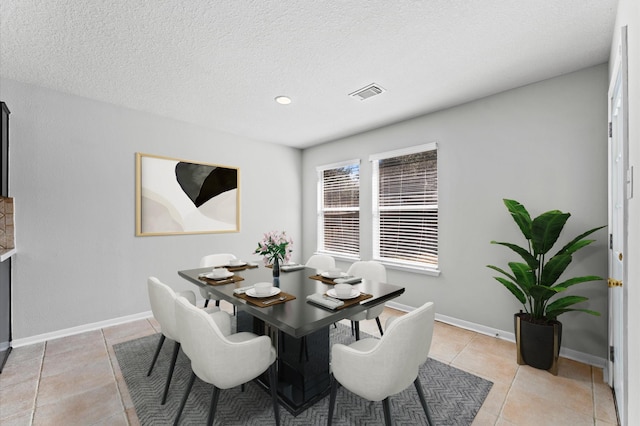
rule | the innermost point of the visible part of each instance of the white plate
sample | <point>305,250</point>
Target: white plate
<point>331,276</point>
<point>235,266</point>
<point>354,293</point>
<point>252,292</point>
<point>210,275</point>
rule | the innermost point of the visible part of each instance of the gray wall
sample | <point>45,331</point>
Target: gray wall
<point>544,145</point>
<point>73,179</point>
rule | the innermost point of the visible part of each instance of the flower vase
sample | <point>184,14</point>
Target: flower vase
<point>276,268</point>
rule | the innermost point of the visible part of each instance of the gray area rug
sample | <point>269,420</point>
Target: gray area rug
<point>453,396</point>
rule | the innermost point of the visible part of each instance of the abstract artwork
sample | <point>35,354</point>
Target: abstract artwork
<point>184,197</point>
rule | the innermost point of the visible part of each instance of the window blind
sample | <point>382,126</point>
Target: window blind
<point>339,211</point>
<point>406,206</point>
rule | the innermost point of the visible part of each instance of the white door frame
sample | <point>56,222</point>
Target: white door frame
<point>620,187</point>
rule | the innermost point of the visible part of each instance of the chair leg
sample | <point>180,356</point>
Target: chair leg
<point>332,399</point>
<point>379,326</point>
<point>353,328</point>
<point>357,326</point>
<point>273,379</point>
<point>423,401</point>
<point>206,303</point>
<point>155,356</point>
<point>214,403</point>
<point>184,398</point>
<point>387,411</point>
<point>176,348</point>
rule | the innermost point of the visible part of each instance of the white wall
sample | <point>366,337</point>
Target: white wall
<point>73,178</point>
<point>629,14</point>
<point>545,145</point>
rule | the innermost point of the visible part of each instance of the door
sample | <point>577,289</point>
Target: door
<point>619,191</point>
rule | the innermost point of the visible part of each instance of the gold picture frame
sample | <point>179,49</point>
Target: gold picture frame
<point>175,196</point>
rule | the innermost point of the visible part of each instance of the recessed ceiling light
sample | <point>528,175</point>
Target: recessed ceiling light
<point>283,100</point>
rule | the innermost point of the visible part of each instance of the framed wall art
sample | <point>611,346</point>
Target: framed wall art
<point>175,196</point>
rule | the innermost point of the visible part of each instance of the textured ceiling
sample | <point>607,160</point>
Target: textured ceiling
<point>221,63</point>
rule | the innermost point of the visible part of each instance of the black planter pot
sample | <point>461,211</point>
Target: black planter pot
<point>538,345</point>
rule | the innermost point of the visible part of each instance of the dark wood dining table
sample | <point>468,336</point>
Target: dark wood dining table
<point>299,329</point>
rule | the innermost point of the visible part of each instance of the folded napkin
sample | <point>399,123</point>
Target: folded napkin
<point>349,280</point>
<point>292,267</point>
<point>326,301</point>
<point>242,290</point>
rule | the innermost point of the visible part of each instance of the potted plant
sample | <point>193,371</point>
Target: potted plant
<point>534,283</point>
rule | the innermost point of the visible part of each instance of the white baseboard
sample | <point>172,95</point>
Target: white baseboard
<point>79,329</point>
<point>399,307</point>
<point>509,336</point>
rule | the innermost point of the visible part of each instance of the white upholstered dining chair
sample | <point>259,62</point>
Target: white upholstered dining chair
<point>213,261</point>
<point>162,300</point>
<point>321,262</point>
<point>374,271</point>
<point>223,361</point>
<point>376,369</point>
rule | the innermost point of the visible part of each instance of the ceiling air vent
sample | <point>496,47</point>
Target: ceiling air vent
<point>367,92</point>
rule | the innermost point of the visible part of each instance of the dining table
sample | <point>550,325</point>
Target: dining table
<point>296,319</point>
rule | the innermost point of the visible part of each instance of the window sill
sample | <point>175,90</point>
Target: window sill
<point>424,270</point>
<point>434,272</point>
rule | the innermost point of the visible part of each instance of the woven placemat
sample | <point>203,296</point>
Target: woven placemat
<point>240,267</point>
<point>349,302</point>
<point>259,302</point>
<point>233,279</point>
<point>323,279</point>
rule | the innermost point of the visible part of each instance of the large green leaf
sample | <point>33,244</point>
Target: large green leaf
<point>541,293</point>
<point>524,287</point>
<point>525,277</point>
<point>513,289</point>
<point>526,256</point>
<point>572,247</point>
<point>565,301</point>
<point>553,269</point>
<point>502,271</point>
<point>545,230</point>
<point>577,280</point>
<point>520,216</point>
<point>560,306</point>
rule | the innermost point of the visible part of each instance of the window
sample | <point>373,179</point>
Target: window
<point>405,207</point>
<point>339,208</point>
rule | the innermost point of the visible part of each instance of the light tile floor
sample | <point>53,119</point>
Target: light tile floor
<point>76,381</point>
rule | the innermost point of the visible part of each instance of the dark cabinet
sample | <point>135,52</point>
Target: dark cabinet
<point>5,266</point>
